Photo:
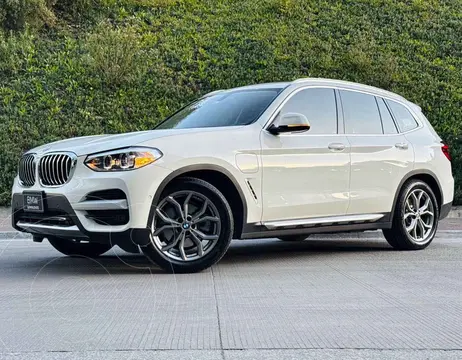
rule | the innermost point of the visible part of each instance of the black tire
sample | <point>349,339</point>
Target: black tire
<point>398,237</point>
<point>226,225</point>
<point>294,238</point>
<point>74,248</point>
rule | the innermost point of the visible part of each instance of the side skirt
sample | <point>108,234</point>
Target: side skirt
<point>256,231</point>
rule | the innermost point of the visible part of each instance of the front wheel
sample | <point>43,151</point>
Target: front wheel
<point>72,247</point>
<point>192,227</point>
<point>415,219</point>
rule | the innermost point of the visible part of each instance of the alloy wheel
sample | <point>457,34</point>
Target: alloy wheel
<point>419,215</point>
<point>186,226</point>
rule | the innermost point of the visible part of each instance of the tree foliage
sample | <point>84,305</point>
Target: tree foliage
<point>80,67</point>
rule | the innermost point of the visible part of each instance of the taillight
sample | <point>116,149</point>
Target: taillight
<point>445,150</point>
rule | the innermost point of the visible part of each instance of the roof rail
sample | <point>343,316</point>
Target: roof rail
<point>301,80</point>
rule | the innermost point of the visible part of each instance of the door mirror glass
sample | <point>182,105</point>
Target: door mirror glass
<point>290,122</point>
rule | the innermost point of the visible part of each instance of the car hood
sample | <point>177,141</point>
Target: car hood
<point>92,144</point>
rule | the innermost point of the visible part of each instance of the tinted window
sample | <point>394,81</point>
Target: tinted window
<point>389,126</point>
<point>403,117</point>
<point>319,107</point>
<point>229,108</point>
<point>361,113</point>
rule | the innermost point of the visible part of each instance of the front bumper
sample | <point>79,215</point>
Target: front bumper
<point>60,220</point>
<point>70,211</point>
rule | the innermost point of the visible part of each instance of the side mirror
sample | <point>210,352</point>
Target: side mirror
<point>290,122</point>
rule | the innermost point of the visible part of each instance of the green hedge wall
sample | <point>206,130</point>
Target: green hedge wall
<point>73,68</point>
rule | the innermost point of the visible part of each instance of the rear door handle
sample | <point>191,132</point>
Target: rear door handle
<point>336,146</point>
<point>402,146</point>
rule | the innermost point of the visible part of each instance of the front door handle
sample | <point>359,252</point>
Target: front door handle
<point>336,146</point>
<point>402,146</point>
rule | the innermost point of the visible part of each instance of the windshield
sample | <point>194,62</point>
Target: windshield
<point>230,108</point>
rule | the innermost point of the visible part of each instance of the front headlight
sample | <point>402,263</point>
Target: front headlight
<point>123,159</point>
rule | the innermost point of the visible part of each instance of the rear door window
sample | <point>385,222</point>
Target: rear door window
<point>361,113</point>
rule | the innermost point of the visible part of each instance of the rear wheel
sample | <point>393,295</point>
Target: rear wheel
<point>192,227</point>
<point>71,247</point>
<point>293,238</point>
<point>415,219</point>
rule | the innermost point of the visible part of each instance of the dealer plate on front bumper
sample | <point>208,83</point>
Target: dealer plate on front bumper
<point>33,202</point>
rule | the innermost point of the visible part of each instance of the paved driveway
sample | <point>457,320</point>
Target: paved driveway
<point>326,298</point>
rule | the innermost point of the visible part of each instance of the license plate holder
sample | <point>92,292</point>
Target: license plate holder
<point>33,202</point>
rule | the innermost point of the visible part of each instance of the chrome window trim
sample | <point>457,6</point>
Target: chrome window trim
<point>273,116</point>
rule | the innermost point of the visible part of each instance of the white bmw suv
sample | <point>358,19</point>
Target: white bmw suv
<point>280,160</point>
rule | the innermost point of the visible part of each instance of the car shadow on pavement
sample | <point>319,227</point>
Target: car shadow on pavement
<point>109,264</point>
<point>269,250</point>
<point>240,252</point>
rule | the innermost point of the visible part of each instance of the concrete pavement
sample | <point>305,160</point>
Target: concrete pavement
<point>312,354</point>
<point>326,298</point>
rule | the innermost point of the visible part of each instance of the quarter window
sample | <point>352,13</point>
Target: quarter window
<point>319,107</point>
<point>361,113</point>
<point>402,116</point>
<point>389,126</point>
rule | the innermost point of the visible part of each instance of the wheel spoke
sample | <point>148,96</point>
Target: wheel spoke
<point>426,226</point>
<point>175,203</point>
<point>411,226</point>
<point>165,227</point>
<point>203,236</point>
<point>181,246</point>
<point>408,205</point>
<point>198,242</point>
<point>427,213</point>
<point>425,205</point>
<point>422,229</point>
<point>419,199</point>
<point>206,218</point>
<point>415,202</point>
<point>406,215</point>
<point>186,205</point>
<point>414,230</point>
<point>173,243</point>
<point>202,211</point>
<point>165,218</point>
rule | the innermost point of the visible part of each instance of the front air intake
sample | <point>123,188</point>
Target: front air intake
<point>56,169</point>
